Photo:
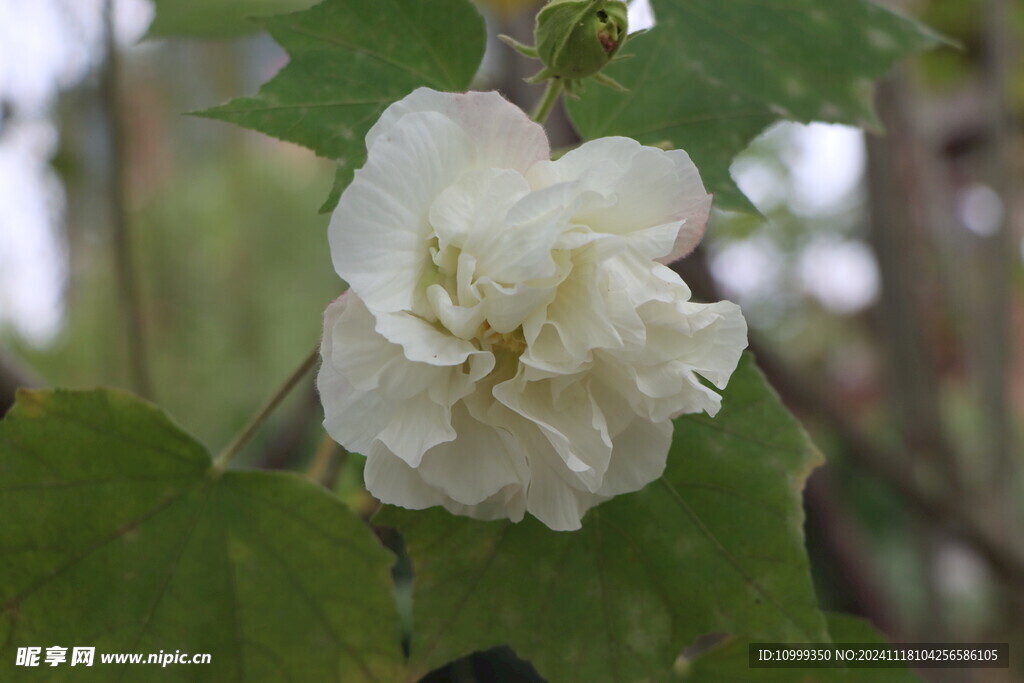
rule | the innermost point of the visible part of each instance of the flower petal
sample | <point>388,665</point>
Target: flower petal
<point>512,342</point>
<point>353,418</point>
<point>380,232</point>
<point>423,342</point>
<point>552,500</point>
<point>564,410</point>
<point>475,466</point>
<point>659,201</point>
<point>503,134</point>
<point>373,392</point>
<point>508,503</point>
<point>640,454</point>
<point>391,480</point>
<point>561,337</point>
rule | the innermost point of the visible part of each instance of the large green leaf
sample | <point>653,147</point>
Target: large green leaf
<point>116,533</point>
<point>350,59</point>
<point>711,75</point>
<point>216,18</point>
<point>715,545</point>
<point>730,662</point>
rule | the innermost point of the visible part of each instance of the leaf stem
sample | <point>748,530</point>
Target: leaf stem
<point>231,450</point>
<point>547,101</point>
<point>327,461</point>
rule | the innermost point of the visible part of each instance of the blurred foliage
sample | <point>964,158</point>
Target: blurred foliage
<point>217,18</point>
<point>238,275</point>
<point>509,8</point>
<point>231,255</point>
<point>950,68</point>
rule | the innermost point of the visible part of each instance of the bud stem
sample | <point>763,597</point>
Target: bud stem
<point>547,101</point>
<point>232,449</point>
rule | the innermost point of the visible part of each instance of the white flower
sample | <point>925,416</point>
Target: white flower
<point>510,342</point>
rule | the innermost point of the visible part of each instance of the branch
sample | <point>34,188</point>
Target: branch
<point>128,285</point>
<point>898,193</point>
<point>995,358</point>
<point>1001,552</point>
<point>284,449</point>
<point>842,540</point>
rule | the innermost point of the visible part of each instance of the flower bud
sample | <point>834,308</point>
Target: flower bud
<point>578,38</point>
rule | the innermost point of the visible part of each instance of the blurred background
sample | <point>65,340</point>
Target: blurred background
<point>185,259</point>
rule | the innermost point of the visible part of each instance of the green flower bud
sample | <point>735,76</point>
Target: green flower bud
<point>578,38</point>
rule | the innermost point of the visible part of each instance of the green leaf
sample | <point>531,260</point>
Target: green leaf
<point>342,175</point>
<point>715,545</point>
<point>115,533</point>
<point>711,75</point>
<point>350,59</point>
<point>216,18</point>
<point>730,661</point>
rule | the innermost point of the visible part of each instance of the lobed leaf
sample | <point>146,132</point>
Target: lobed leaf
<point>715,545</point>
<point>115,533</point>
<point>350,59</point>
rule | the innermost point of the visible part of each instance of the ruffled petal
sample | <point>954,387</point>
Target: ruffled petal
<point>511,342</point>
<point>423,342</point>
<point>718,345</point>
<point>475,203</point>
<point>641,451</point>
<point>565,412</point>
<point>391,480</point>
<point>683,340</point>
<point>652,197</point>
<point>503,135</point>
<point>561,337</point>
<point>508,503</point>
<point>475,466</point>
<point>380,232</point>
<point>352,417</point>
<point>373,392</point>
<point>552,500</point>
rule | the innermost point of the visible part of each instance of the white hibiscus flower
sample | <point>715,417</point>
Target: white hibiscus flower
<point>511,341</point>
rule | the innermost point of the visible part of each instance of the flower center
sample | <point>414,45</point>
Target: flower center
<point>509,342</point>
